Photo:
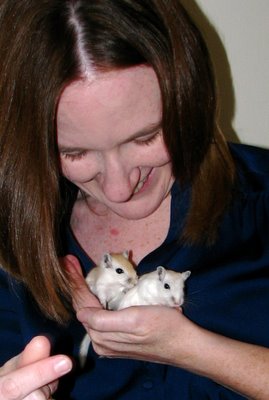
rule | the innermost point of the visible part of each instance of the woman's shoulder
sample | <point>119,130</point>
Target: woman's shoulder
<point>252,165</point>
<point>249,211</point>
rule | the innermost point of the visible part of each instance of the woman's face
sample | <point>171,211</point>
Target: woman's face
<point>111,143</point>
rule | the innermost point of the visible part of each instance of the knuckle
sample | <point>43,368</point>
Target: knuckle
<point>96,339</point>
<point>134,320</point>
<point>95,321</point>
<point>98,349</point>
<point>9,389</point>
<point>103,352</point>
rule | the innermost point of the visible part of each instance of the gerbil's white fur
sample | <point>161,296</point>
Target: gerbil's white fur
<point>109,281</point>
<point>160,287</point>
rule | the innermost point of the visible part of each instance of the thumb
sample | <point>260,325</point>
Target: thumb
<point>81,295</point>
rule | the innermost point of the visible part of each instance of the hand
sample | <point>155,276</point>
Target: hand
<point>142,332</point>
<point>33,374</point>
<point>137,332</point>
<point>81,295</point>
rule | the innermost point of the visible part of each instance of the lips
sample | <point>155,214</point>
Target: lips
<point>141,184</point>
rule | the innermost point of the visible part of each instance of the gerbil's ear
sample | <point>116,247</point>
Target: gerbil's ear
<point>185,275</point>
<point>126,254</point>
<point>107,259</point>
<point>161,273</point>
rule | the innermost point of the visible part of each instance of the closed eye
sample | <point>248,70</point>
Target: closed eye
<point>73,156</point>
<point>149,139</point>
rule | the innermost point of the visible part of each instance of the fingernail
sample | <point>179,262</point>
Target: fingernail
<point>63,366</point>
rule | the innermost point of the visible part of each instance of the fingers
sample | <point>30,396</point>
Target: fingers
<point>130,325</point>
<point>135,332</point>
<point>24,381</point>
<point>110,321</point>
<point>44,393</point>
<point>36,350</point>
<point>81,295</point>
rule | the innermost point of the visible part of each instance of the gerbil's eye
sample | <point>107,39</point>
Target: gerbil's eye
<point>166,286</point>
<point>119,271</point>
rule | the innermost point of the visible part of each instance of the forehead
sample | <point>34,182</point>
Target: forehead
<point>113,101</point>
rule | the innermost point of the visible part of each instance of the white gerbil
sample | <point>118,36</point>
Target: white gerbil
<point>160,287</point>
<point>109,281</point>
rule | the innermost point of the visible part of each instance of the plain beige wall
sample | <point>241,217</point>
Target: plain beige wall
<point>237,32</point>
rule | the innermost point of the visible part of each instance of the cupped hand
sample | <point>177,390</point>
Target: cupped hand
<point>149,333</point>
<point>146,332</point>
<point>33,374</point>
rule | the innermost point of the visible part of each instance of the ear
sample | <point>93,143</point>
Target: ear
<point>126,254</point>
<point>161,273</point>
<point>185,275</point>
<point>107,260</point>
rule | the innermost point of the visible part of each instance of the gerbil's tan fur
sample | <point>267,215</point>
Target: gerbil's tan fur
<point>113,277</point>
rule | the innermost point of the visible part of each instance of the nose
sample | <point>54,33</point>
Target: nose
<point>118,178</point>
<point>132,281</point>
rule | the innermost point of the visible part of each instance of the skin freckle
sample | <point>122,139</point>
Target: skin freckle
<point>114,232</point>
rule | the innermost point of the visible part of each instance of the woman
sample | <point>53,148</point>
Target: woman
<point>109,125</point>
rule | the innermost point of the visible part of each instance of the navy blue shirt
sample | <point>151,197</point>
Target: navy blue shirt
<point>228,293</point>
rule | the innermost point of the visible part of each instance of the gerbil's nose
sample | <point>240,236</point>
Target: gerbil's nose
<point>118,180</point>
<point>179,301</point>
<point>132,281</point>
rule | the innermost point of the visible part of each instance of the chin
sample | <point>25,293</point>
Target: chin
<point>137,211</point>
<point>135,216</point>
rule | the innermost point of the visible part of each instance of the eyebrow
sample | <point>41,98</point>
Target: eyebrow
<point>151,128</point>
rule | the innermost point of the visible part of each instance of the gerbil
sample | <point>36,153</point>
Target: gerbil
<point>160,287</point>
<point>109,281</point>
<point>112,278</point>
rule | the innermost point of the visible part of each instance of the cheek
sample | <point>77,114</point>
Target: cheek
<point>165,157</point>
<point>152,156</point>
<point>77,172</point>
<point>162,152</point>
<point>159,156</point>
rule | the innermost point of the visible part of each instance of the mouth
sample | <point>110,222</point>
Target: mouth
<point>141,184</point>
<point>177,303</point>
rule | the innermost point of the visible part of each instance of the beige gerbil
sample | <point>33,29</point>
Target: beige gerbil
<point>112,278</point>
<point>109,281</point>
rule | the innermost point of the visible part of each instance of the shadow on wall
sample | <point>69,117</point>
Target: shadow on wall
<point>221,66</point>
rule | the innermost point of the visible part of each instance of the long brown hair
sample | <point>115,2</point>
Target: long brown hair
<point>44,45</point>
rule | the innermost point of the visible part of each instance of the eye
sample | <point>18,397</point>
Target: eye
<point>73,156</point>
<point>119,271</point>
<point>148,140</point>
<point>166,286</point>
